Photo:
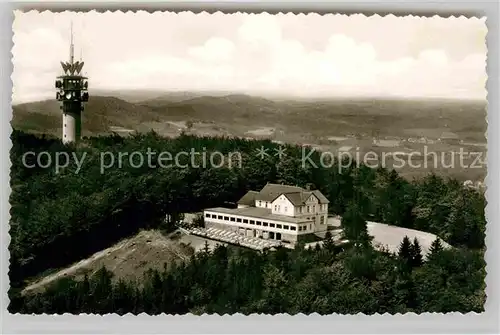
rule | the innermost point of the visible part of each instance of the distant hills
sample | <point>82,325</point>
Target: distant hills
<point>140,110</point>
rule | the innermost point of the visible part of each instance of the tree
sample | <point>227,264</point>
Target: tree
<point>199,221</point>
<point>405,252</point>
<point>275,285</point>
<point>416,254</point>
<point>435,248</point>
<point>354,226</point>
<point>206,248</point>
<point>328,242</point>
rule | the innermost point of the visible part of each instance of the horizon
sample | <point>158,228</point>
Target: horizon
<point>111,93</point>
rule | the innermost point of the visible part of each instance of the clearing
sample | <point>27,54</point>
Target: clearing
<point>130,258</point>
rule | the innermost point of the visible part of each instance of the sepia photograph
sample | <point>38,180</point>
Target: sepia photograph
<point>216,163</point>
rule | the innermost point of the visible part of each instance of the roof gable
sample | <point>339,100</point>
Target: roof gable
<point>295,198</point>
<point>321,197</point>
<point>271,191</point>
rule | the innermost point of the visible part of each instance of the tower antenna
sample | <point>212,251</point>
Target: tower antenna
<point>81,40</point>
<point>71,47</point>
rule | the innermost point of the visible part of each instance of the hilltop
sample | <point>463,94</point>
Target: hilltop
<point>342,117</point>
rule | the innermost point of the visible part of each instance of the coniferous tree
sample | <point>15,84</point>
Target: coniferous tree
<point>354,226</point>
<point>416,254</point>
<point>435,248</point>
<point>206,248</point>
<point>92,206</point>
<point>405,253</point>
<point>328,242</point>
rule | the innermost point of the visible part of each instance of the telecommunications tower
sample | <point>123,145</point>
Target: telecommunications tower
<point>72,94</point>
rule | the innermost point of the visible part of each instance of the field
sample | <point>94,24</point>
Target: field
<point>356,126</point>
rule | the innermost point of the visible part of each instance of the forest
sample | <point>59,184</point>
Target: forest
<point>60,218</point>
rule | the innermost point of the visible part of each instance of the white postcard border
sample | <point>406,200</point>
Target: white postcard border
<point>472,323</point>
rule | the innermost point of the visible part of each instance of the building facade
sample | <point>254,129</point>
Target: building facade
<point>278,212</point>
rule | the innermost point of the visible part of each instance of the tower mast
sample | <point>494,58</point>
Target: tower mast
<point>71,47</point>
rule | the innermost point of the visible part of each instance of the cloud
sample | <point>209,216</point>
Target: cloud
<point>215,49</point>
<point>259,54</point>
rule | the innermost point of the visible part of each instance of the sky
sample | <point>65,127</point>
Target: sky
<point>286,54</point>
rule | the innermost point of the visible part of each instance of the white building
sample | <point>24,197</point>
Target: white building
<point>277,212</point>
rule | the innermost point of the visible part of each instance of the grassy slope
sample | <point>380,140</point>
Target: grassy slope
<point>127,259</point>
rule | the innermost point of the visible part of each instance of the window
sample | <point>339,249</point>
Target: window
<point>293,228</point>
<point>238,220</point>
<point>271,225</point>
<point>259,223</point>
<point>310,227</point>
<point>308,209</point>
<point>275,207</point>
<point>226,218</point>
<point>207,215</point>
<point>252,222</point>
<point>245,221</point>
<point>232,219</point>
<point>214,216</point>
<point>286,227</point>
<point>286,209</point>
<point>260,203</point>
<point>219,217</point>
<point>264,224</point>
<point>322,220</point>
<point>278,226</point>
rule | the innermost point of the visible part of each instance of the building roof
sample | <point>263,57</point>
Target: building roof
<point>248,199</point>
<point>258,213</point>
<point>321,197</point>
<point>296,195</point>
<point>271,191</point>
<point>295,198</point>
